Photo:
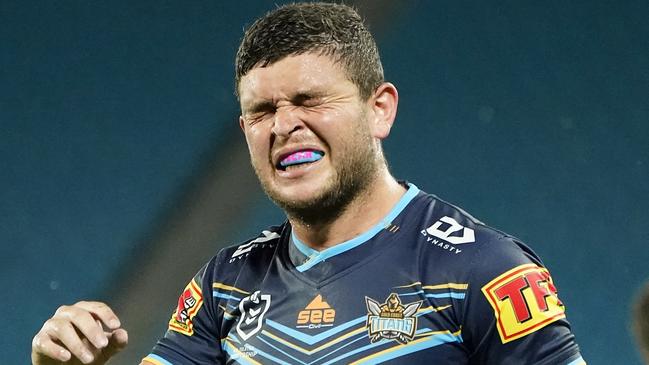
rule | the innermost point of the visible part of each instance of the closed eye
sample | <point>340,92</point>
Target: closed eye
<point>307,99</point>
<point>260,108</point>
<point>259,112</point>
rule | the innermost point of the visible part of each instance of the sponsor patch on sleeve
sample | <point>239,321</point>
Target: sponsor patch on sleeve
<point>189,302</point>
<point>524,300</point>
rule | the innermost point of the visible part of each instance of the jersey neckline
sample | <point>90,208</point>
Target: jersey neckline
<point>306,257</point>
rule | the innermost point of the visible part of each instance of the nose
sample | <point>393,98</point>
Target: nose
<point>286,122</point>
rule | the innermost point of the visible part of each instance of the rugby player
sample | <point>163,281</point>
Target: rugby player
<point>366,269</point>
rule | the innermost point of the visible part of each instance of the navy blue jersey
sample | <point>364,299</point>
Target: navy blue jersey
<point>428,284</point>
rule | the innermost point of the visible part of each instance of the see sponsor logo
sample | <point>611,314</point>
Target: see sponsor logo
<point>524,300</point>
<point>316,314</point>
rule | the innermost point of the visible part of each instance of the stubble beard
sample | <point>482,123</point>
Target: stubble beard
<point>357,170</point>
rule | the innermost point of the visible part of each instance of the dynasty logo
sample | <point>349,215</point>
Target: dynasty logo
<point>244,250</point>
<point>391,320</point>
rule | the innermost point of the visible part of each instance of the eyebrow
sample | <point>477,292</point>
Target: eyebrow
<point>297,98</point>
<point>301,96</point>
<point>259,106</point>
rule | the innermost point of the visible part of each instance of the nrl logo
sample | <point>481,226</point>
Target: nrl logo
<point>391,320</point>
<point>253,308</point>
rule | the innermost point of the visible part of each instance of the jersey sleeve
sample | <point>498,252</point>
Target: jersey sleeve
<point>192,334</point>
<point>513,314</point>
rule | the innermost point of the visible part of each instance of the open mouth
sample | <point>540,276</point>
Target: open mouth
<point>299,159</point>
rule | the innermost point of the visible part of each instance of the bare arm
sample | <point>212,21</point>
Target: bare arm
<point>83,333</point>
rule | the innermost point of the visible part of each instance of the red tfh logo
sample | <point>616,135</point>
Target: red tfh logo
<point>541,286</point>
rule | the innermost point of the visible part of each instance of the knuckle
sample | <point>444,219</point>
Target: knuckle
<point>56,326</point>
<point>62,309</point>
<point>99,304</point>
<point>37,341</point>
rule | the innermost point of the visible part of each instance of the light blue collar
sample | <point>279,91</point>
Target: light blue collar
<point>314,256</point>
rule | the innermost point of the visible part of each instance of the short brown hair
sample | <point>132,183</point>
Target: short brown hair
<point>334,30</point>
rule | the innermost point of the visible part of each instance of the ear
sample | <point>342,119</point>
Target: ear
<point>242,124</point>
<point>383,104</point>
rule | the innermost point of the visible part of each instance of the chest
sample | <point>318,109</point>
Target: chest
<point>370,314</point>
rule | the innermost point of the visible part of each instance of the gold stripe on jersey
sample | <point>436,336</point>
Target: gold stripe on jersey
<point>446,286</point>
<point>409,285</point>
<point>151,360</point>
<point>431,309</point>
<point>228,287</point>
<point>458,286</point>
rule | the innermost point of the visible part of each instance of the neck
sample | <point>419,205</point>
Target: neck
<point>365,211</point>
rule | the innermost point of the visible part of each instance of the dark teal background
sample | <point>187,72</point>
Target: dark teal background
<point>533,116</point>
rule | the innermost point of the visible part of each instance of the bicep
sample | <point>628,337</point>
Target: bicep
<point>515,311</point>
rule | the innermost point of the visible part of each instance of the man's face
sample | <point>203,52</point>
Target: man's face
<point>308,135</point>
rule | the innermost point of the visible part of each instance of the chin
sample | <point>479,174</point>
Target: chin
<point>300,195</point>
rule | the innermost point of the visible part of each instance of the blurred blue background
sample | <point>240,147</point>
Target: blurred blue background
<point>119,147</point>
